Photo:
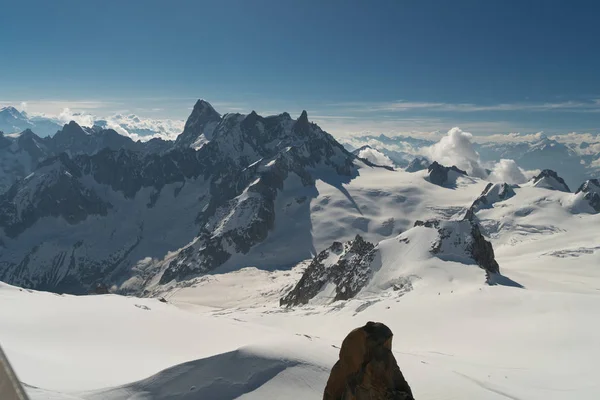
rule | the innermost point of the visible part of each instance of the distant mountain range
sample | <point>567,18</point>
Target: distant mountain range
<point>96,207</point>
<point>15,121</point>
<point>88,207</point>
<point>576,161</point>
<point>20,154</point>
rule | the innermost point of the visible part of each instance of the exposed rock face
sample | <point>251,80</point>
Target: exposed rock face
<point>55,191</point>
<point>462,238</point>
<point>550,180</point>
<point>112,216</point>
<point>443,176</point>
<point>417,164</point>
<point>347,266</point>
<point>13,120</point>
<point>590,190</point>
<point>367,368</point>
<point>19,156</point>
<point>493,193</point>
<point>199,125</point>
<point>343,270</point>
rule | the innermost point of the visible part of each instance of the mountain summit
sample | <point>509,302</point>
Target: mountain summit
<point>226,177</point>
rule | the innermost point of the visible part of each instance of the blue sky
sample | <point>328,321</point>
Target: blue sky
<point>381,66</point>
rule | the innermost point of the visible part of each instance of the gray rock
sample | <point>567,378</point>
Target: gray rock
<point>443,176</point>
<point>591,188</point>
<point>417,164</point>
<point>493,193</point>
<point>550,180</point>
<point>350,272</point>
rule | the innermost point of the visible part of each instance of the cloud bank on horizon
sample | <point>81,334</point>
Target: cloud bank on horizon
<point>362,122</point>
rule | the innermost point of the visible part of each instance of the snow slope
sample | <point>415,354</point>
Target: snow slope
<point>468,341</point>
<point>224,336</point>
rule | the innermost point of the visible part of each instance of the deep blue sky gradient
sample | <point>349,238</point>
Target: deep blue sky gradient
<point>335,58</point>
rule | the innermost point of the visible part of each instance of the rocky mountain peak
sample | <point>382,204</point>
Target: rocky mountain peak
<point>344,265</point>
<point>53,190</point>
<point>549,179</point>
<point>589,185</point>
<point>204,108</point>
<point>302,125</point>
<point>443,176</point>
<point>72,129</point>
<point>417,164</point>
<point>493,193</point>
<point>10,112</point>
<point>462,237</point>
<point>589,191</point>
<point>342,271</point>
<point>227,172</point>
<point>199,125</point>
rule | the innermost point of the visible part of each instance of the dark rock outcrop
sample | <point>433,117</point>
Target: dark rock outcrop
<point>458,238</point>
<point>417,164</point>
<point>549,179</point>
<point>343,270</point>
<point>493,193</point>
<point>201,122</point>
<point>101,288</point>
<point>347,266</point>
<point>230,184</point>
<point>591,193</point>
<point>367,368</point>
<point>54,190</point>
<point>443,176</point>
<point>22,154</point>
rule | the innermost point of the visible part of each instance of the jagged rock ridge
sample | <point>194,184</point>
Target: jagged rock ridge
<point>134,207</point>
<point>493,193</point>
<point>417,164</point>
<point>345,265</point>
<point>20,155</point>
<point>343,271</point>
<point>550,180</point>
<point>590,192</point>
<point>443,176</point>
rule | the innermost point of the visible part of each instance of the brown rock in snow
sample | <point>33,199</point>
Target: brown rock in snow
<point>367,369</point>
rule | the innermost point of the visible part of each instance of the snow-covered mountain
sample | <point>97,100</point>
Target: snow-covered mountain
<point>13,121</point>
<point>587,196</point>
<point>248,191</point>
<point>570,155</point>
<point>224,335</point>
<point>20,153</point>
<point>264,243</point>
<point>374,156</point>
<point>131,125</point>
<point>344,271</point>
<point>550,180</point>
<point>107,216</point>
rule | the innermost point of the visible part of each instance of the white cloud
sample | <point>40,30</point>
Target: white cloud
<point>402,106</point>
<point>66,116</point>
<point>513,137</point>
<point>456,148</point>
<point>507,171</point>
<point>139,128</point>
<point>376,157</point>
<point>134,126</point>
